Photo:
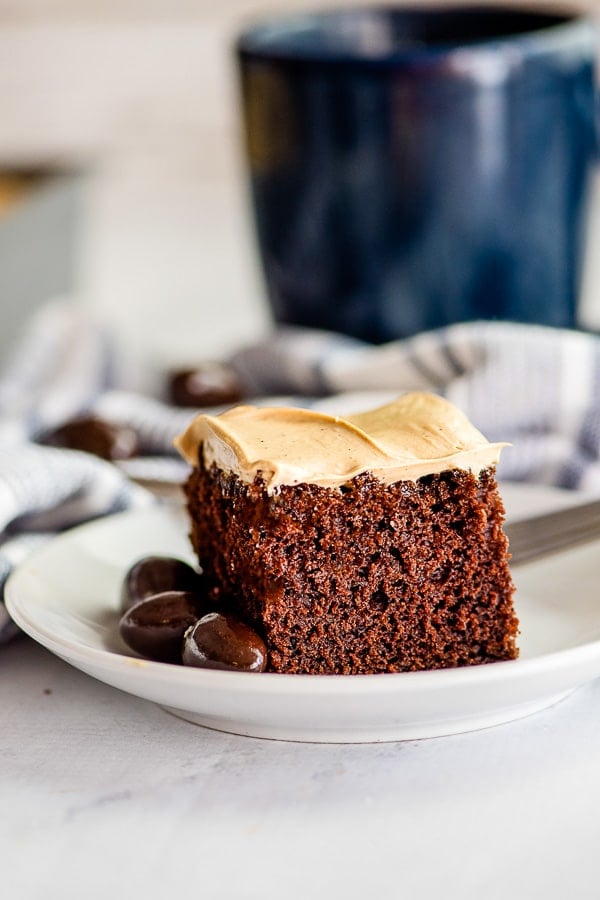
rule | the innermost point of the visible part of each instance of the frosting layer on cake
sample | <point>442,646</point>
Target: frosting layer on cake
<point>418,434</point>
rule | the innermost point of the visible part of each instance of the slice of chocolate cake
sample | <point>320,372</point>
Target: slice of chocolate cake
<point>366,544</point>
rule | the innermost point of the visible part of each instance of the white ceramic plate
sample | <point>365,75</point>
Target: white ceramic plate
<point>66,597</point>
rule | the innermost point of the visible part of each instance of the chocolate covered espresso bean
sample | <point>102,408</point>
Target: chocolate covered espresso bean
<point>157,574</point>
<point>155,627</point>
<point>221,641</point>
<point>209,384</point>
<point>93,435</point>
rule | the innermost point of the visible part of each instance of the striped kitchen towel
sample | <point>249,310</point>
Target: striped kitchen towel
<point>43,490</point>
<point>537,388</point>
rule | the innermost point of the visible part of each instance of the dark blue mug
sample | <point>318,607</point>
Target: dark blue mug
<point>412,168</point>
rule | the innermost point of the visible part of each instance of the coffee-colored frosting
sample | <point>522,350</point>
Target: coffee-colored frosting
<point>417,434</point>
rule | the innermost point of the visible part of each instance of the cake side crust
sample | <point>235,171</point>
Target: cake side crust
<point>362,579</point>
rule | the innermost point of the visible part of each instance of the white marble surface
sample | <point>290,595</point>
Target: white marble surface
<point>105,795</point>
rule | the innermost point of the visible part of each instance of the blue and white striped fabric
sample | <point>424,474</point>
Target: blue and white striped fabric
<point>537,388</point>
<point>43,490</point>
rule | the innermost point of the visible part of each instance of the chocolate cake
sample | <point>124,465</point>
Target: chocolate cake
<point>360,545</point>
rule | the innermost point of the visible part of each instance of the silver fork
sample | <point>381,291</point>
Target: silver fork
<point>549,533</point>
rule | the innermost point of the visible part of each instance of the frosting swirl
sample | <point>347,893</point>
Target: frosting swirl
<point>418,434</point>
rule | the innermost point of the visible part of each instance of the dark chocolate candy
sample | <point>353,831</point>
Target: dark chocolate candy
<point>220,641</point>
<point>155,627</point>
<point>94,435</point>
<point>157,574</point>
<point>210,384</point>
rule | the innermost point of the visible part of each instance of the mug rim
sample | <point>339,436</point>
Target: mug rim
<point>257,39</point>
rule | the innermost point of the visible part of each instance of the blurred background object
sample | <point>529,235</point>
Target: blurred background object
<point>40,230</point>
<point>142,96</point>
<point>414,168</point>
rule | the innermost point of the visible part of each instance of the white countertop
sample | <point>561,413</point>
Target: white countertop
<point>104,794</point>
